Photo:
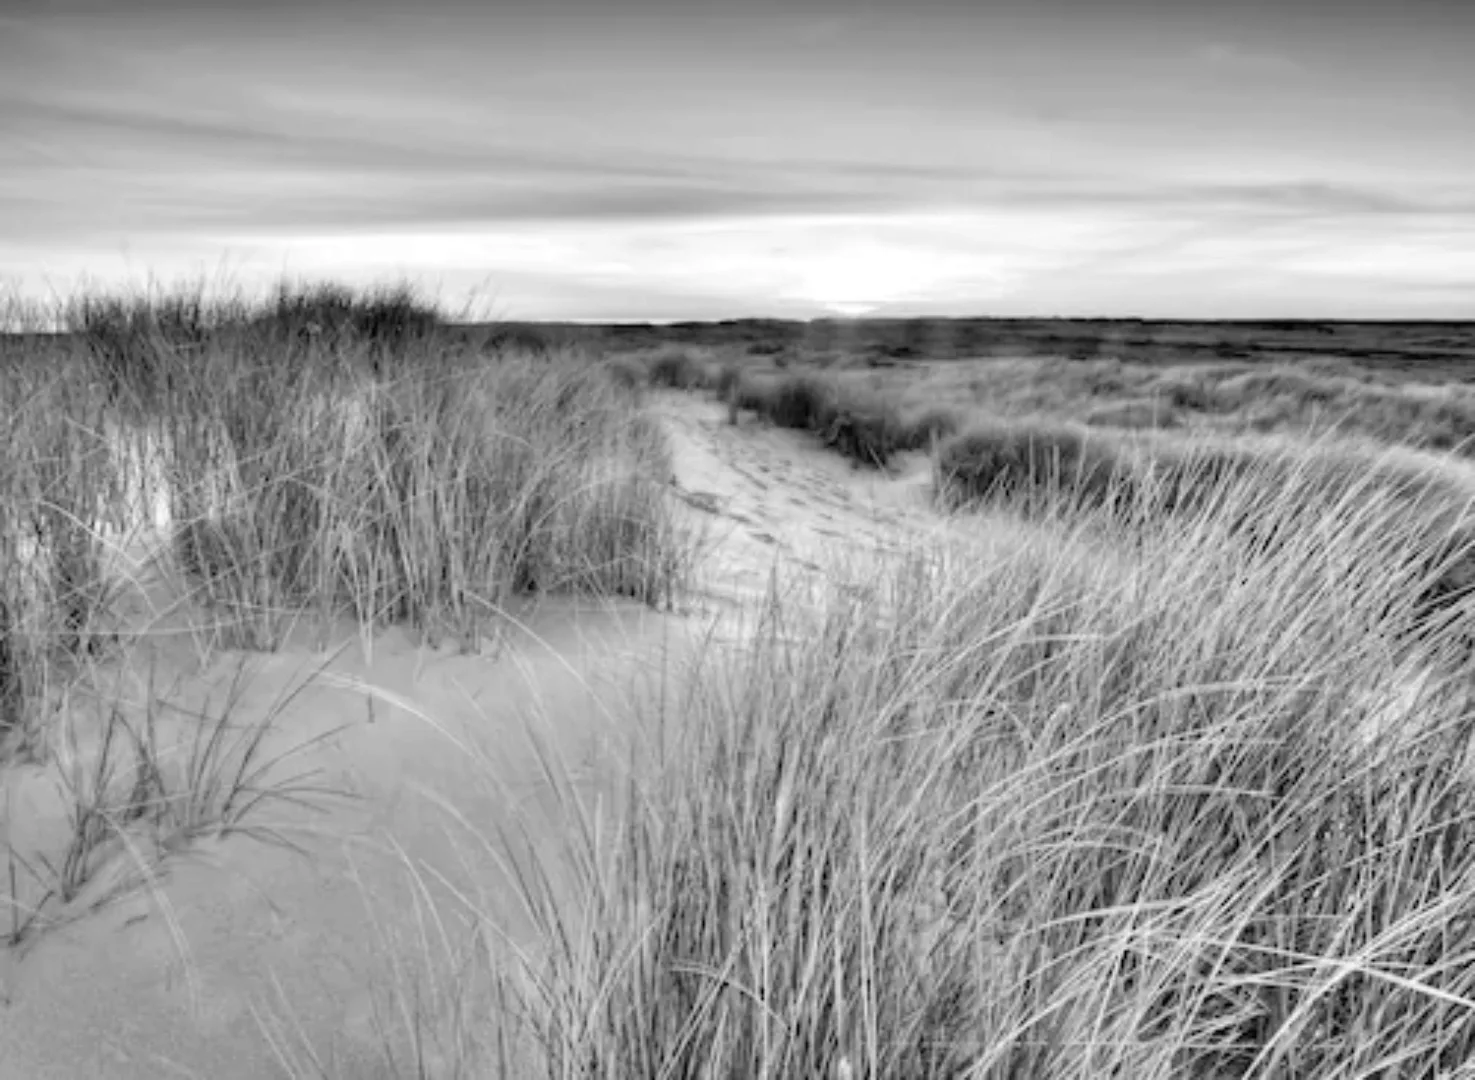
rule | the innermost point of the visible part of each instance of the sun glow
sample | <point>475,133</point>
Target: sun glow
<point>860,277</point>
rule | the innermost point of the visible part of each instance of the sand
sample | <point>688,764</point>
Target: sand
<point>174,979</point>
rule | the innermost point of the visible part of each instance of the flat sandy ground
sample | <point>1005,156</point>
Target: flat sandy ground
<point>168,980</point>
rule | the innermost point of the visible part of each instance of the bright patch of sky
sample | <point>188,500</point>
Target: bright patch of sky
<point>651,161</point>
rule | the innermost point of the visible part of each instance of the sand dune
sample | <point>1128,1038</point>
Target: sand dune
<point>172,978</point>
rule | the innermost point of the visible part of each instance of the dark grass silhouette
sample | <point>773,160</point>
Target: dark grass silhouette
<point>864,428</point>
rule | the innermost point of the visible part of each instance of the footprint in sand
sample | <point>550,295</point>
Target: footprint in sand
<point>702,500</point>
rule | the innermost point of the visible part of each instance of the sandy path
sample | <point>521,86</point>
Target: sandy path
<point>774,496</point>
<point>165,983</point>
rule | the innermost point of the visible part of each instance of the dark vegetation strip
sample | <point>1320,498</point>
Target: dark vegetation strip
<point>1139,472</point>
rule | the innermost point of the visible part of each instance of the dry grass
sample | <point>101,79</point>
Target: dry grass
<point>1133,802</point>
<point>1305,399</point>
<point>676,367</point>
<point>1181,789</point>
<point>908,408</point>
<point>1302,399</point>
<point>141,779</point>
<point>1047,818</point>
<point>864,426</point>
<point>322,455</point>
<point>1168,482</point>
<point>1017,460</point>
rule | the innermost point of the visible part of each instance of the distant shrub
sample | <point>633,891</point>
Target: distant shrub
<point>1333,367</point>
<point>519,339</point>
<point>1102,377</point>
<point>676,368</point>
<point>1300,387</point>
<point>803,402</point>
<point>626,373</point>
<point>1328,396</point>
<point>324,309</point>
<point>384,317</point>
<point>860,425</point>
<point>1019,460</point>
<point>1134,415</point>
<point>920,429</point>
<point>1183,392</point>
<point>1423,418</point>
<point>867,438</point>
<point>753,393</point>
<point>394,316</point>
<point>726,381</point>
<point>889,354</point>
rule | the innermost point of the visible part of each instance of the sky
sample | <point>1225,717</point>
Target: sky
<point>653,160</point>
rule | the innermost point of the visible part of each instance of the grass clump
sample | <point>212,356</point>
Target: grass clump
<point>1181,811</point>
<point>144,343</point>
<point>924,427</point>
<point>1134,414</point>
<point>138,343</point>
<point>326,455</point>
<point>677,368</point>
<point>388,317</point>
<point>1158,479</point>
<point>801,402</point>
<point>627,373</point>
<point>140,779</point>
<point>59,495</point>
<point>861,426</point>
<point>725,385</point>
<point>325,451</point>
<point>432,499</point>
<point>337,452</point>
<point>1023,460</point>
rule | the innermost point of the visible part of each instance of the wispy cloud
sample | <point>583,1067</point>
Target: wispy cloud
<point>1290,198</point>
<point>172,168</point>
<point>955,156</point>
<point>101,131</point>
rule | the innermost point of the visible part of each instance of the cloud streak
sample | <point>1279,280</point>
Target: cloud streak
<point>179,169</point>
